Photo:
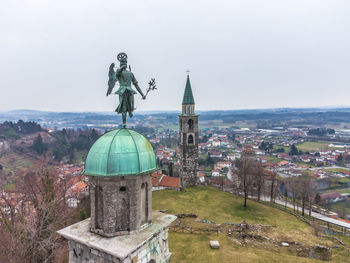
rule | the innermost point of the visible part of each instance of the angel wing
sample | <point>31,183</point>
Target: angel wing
<point>112,79</point>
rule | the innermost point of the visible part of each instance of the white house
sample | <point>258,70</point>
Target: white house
<point>215,172</point>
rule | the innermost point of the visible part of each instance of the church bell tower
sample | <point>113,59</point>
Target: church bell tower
<point>188,131</point>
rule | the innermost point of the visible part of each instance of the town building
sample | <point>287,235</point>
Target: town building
<point>163,182</point>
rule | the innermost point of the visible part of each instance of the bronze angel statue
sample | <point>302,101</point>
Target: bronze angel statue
<point>126,94</point>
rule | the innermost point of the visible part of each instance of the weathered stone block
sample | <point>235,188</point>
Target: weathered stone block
<point>144,247</point>
<point>120,205</point>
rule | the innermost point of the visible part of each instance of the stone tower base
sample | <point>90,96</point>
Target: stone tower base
<point>148,246</point>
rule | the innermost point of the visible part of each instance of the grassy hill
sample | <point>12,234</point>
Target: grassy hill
<point>220,207</point>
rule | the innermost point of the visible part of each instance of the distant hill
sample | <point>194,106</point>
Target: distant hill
<point>264,118</point>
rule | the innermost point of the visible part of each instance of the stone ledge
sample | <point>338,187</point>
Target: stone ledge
<point>120,246</point>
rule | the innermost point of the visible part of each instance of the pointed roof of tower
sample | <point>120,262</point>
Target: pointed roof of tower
<point>188,96</point>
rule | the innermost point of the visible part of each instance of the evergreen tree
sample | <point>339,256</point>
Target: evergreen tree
<point>293,150</point>
<point>340,159</point>
<point>39,146</point>
<point>317,198</point>
<point>171,169</point>
<point>262,146</point>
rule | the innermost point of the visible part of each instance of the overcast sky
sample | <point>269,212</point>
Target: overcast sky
<point>54,55</point>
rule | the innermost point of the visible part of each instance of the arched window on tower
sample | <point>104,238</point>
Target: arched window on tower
<point>190,139</point>
<point>190,124</point>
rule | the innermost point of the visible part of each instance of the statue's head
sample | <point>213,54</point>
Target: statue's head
<point>123,59</point>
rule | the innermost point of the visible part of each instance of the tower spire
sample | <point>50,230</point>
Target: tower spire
<point>188,95</point>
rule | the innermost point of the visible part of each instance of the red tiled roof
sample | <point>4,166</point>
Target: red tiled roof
<point>283,163</point>
<point>159,179</point>
<point>77,188</point>
<point>168,181</point>
<point>330,195</point>
<point>200,174</point>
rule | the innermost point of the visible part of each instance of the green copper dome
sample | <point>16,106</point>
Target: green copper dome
<point>120,152</point>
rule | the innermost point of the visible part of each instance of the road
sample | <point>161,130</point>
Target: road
<point>280,170</point>
<point>313,214</point>
<point>324,168</point>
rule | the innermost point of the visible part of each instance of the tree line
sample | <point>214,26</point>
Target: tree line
<point>66,143</point>
<point>254,180</point>
<point>14,130</point>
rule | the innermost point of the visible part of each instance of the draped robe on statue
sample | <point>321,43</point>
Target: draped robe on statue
<point>125,92</point>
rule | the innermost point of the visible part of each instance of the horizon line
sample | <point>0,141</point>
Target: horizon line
<point>199,110</point>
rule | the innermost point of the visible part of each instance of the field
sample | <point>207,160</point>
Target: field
<point>312,146</point>
<point>336,190</point>
<point>336,170</point>
<point>219,207</point>
<point>308,146</point>
<point>273,159</point>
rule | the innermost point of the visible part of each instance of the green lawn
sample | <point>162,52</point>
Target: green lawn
<point>219,207</point>
<point>343,180</point>
<point>340,191</point>
<point>336,170</point>
<point>312,146</point>
<point>286,148</point>
<point>339,207</point>
<point>9,186</point>
<point>273,159</point>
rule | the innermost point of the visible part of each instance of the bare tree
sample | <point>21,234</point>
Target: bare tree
<point>259,178</point>
<point>286,192</point>
<point>312,195</point>
<point>30,235</point>
<point>273,186</point>
<point>307,192</point>
<point>302,189</point>
<point>303,183</point>
<point>245,175</point>
<point>293,188</point>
